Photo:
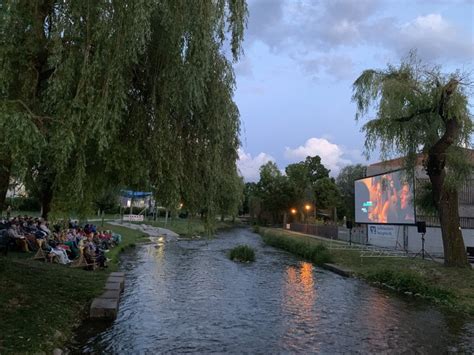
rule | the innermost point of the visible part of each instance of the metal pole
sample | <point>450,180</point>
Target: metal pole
<point>350,236</point>
<point>423,246</point>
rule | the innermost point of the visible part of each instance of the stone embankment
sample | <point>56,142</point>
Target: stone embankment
<point>106,305</point>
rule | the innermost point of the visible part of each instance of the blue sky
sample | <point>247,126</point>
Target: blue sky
<point>301,57</point>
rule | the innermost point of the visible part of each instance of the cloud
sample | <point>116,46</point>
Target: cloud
<point>316,34</point>
<point>434,37</point>
<point>244,67</point>
<point>337,66</point>
<point>249,166</point>
<point>332,155</point>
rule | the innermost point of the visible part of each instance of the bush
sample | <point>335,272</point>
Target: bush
<point>242,253</point>
<point>24,204</point>
<point>404,281</point>
<point>318,254</point>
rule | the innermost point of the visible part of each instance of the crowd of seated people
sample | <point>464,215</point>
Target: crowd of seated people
<point>60,243</point>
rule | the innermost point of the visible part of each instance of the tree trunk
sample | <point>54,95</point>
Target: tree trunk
<point>446,202</point>
<point>46,199</point>
<point>453,242</point>
<point>5,170</point>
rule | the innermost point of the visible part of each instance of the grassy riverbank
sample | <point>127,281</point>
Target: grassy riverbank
<point>187,227</point>
<point>450,287</point>
<point>42,303</point>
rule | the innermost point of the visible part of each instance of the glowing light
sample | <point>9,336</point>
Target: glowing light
<point>293,211</point>
<point>307,207</point>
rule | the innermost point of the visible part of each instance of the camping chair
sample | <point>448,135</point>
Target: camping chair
<point>82,261</point>
<point>40,253</point>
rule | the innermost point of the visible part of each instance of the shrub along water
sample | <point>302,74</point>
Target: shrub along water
<point>318,254</point>
<point>411,283</point>
<point>242,253</point>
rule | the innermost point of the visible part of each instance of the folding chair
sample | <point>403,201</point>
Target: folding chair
<point>82,261</point>
<point>40,253</point>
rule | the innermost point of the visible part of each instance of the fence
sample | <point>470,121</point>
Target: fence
<point>326,231</point>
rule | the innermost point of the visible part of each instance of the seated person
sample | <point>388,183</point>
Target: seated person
<point>20,240</point>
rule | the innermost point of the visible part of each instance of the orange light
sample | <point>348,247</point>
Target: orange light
<point>308,207</point>
<point>293,211</point>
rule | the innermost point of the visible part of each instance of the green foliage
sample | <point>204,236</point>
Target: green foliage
<point>306,182</point>
<point>406,100</point>
<point>25,204</point>
<point>412,283</point>
<point>317,254</point>
<point>345,183</point>
<point>242,253</point>
<point>99,94</point>
<point>326,192</point>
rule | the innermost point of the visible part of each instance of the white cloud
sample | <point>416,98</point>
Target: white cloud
<point>433,37</point>
<point>332,155</point>
<point>337,66</point>
<point>249,166</point>
<point>244,67</point>
<point>317,34</point>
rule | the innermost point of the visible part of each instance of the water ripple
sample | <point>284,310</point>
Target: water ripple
<point>187,297</point>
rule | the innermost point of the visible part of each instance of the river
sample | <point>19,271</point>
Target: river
<point>188,297</point>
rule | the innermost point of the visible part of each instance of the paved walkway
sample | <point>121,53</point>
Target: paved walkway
<point>150,230</point>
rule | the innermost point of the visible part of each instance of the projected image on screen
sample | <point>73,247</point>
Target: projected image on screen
<point>384,198</point>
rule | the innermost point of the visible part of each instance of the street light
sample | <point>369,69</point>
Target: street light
<point>293,211</point>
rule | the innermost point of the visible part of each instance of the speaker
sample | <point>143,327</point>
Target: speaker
<point>421,225</point>
<point>349,224</point>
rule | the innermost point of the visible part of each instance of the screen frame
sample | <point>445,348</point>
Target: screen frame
<point>389,224</point>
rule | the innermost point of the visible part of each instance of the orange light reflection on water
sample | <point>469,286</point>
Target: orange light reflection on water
<point>298,302</point>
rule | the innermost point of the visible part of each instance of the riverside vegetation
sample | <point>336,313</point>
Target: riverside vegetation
<point>41,303</point>
<point>242,253</point>
<point>450,287</point>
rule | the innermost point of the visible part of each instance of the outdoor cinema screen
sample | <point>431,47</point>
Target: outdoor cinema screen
<point>386,199</point>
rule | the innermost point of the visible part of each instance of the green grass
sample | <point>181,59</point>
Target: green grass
<point>42,303</point>
<point>451,287</point>
<point>317,253</point>
<point>242,253</point>
<point>188,226</point>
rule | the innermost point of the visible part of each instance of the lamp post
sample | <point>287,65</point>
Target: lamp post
<point>307,208</point>
<point>293,211</point>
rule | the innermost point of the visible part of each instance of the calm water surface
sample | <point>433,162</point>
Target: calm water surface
<point>188,297</point>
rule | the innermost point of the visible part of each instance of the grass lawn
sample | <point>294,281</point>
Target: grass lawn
<point>42,303</point>
<point>188,226</point>
<point>449,286</point>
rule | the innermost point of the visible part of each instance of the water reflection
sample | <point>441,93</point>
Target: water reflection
<point>189,297</point>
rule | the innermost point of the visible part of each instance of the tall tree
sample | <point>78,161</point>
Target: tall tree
<point>274,191</point>
<point>123,92</point>
<point>421,110</point>
<point>345,182</point>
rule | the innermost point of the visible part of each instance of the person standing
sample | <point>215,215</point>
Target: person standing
<point>9,211</point>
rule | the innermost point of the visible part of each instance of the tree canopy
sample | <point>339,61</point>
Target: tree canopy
<point>303,183</point>
<point>420,110</point>
<point>136,93</point>
<point>345,182</point>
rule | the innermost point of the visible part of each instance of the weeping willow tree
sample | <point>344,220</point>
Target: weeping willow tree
<point>119,92</point>
<point>421,110</point>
